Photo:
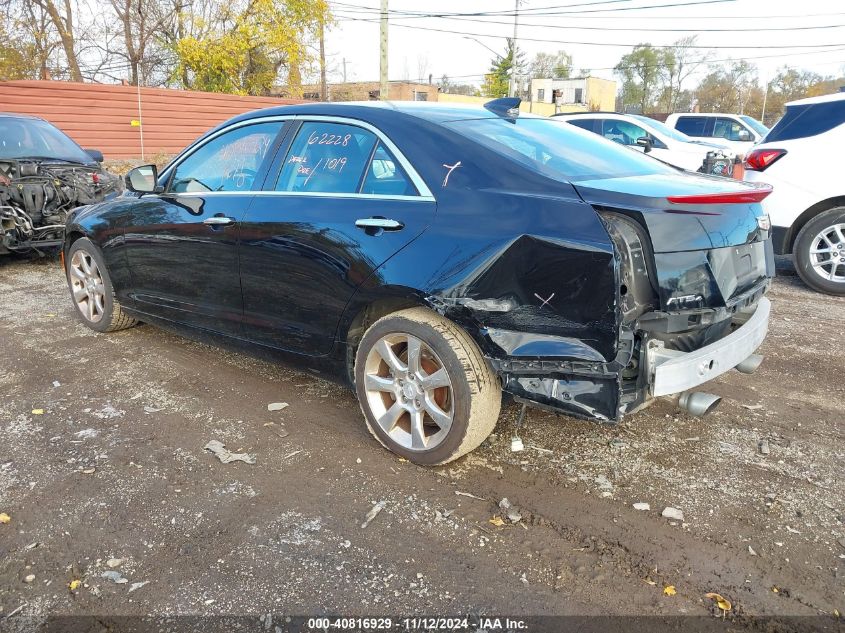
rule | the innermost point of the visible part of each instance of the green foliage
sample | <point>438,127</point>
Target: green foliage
<point>17,60</point>
<point>497,81</point>
<point>259,40</point>
<point>727,88</point>
<point>645,73</point>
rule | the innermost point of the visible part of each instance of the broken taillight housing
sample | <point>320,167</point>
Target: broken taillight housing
<point>761,159</point>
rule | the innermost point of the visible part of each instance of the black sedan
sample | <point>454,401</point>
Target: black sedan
<point>435,257</point>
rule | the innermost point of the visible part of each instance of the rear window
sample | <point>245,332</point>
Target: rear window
<point>559,150</point>
<point>691,125</point>
<point>801,121</point>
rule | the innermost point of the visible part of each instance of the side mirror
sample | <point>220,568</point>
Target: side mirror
<point>143,179</point>
<point>745,135</point>
<point>96,154</point>
<point>645,142</point>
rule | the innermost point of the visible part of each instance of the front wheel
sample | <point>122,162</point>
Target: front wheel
<point>424,387</point>
<point>91,289</point>
<point>820,252</point>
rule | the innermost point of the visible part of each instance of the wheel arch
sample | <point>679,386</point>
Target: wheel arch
<point>806,216</point>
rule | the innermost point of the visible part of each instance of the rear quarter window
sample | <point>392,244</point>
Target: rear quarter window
<point>801,121</point>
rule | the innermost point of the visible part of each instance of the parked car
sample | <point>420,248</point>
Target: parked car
<point>807,208</point>
<point>435,256</point>
<point>739,132</point>
<point>43,176</point>
<point>649,136</point>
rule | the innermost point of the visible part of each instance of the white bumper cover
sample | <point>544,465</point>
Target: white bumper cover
<point>672,371</point>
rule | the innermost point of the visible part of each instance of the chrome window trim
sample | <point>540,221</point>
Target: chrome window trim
<point>300,194</point>
<point>416,179</point>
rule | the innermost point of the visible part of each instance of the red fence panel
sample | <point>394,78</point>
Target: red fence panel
<point>101,116</point>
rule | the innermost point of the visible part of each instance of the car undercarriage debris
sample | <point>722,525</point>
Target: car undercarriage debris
<point>36,196</point>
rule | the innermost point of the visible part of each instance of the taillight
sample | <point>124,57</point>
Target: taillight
<point>760,159</point>
<point>732,197</point>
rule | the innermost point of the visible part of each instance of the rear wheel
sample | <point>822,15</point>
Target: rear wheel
<point>820,252</point>
<point>91,289</point>
<point>424,387</point>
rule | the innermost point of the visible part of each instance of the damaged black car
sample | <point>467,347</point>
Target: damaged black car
<point>437,256</point>
<point>43,176</point>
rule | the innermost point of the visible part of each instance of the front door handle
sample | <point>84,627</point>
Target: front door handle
<point>218,221</point>
<point>385,224</point>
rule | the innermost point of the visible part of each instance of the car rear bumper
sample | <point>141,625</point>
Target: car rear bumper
<point>672,371</point>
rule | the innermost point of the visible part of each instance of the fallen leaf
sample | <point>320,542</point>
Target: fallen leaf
<point>38,412</point>
<point>4,518</point>
<point>73,585</point>
<point>722,603</point>
<point>775,590</point>
<point>497,521</point>
<point>649,581</point>
<point>669,590</point>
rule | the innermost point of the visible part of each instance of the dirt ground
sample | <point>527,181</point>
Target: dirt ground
<point>102,469</point>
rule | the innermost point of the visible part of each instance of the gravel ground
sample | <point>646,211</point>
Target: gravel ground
<point>102,471</point>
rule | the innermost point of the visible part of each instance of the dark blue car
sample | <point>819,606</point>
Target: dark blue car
<point>436,256</point>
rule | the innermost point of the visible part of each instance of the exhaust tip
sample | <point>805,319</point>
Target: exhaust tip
<point>750,364</point>
<point>698,403</point>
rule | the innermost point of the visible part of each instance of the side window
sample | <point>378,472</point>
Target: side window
<point>622,131</point>
<point>727,129</point>
<point>801,121</point>
<point>386,177</point>
<point>586,124</point>
<point>326,157</point>
<point>229,162</point>
<point>691,125</point>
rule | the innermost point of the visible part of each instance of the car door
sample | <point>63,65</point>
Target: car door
<point>340,201</point>
<point>182,244</point>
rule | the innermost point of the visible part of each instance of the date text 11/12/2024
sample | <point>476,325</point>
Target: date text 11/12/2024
<point>416,624</point>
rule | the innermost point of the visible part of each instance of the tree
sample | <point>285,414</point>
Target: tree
<point>250,46</point>
<point>448,86</point>
<point>140,22</point>
<point>61,17</point>
<point>727,89</point>
<point>551,65</point>
<point>645,74</point>
<point>683,62</point>
<point>497,81</point>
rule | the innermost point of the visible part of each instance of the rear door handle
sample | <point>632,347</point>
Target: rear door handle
<point>218,221</point>
<point>384,224</point>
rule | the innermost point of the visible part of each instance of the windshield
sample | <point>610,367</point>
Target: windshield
<point>663,128</point>
<point>33,138</point>
<point>559,150</point>
<point>754,124</point>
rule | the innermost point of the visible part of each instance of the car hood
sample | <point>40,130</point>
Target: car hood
<point>677,226</point>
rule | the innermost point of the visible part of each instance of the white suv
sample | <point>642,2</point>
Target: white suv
<point>807,207</point>
<point>738,131</point>
<point>647,135</point>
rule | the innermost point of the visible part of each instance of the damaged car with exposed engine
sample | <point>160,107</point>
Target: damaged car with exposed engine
<point>435,257</point>
<point>43,176</point>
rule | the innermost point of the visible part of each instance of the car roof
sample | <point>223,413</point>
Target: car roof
<point>836,96</point>
<point>17,115</point>
<point>592,113</point>
<point>438,112</point>
<point>708,114</point>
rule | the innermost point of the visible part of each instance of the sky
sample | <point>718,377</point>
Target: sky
<point>595,33</point>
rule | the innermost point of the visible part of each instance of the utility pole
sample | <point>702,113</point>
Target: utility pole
<point>344,70</point>
<point>383,88</point>
<point>512,86</point>
<point>324,89</point>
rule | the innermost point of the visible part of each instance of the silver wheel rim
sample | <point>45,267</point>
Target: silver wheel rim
<point>827,253</point>
<point>409,392</point>
<point>86,282</point>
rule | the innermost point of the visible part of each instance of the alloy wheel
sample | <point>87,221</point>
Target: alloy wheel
<point>827,253</point>
<point>409,392</point>
<point>89,291</point>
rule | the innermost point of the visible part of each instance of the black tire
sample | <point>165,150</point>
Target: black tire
<point>807,239</point>
<point>475,395</point>
<point>112,316</point>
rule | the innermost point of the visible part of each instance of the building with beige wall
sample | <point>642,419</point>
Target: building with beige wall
<point>585,93</point>
<point>371,91</point>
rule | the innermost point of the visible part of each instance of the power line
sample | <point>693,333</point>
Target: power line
<point>556,41</point>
